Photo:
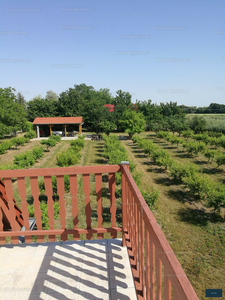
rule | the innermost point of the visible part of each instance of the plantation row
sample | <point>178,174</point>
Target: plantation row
<point>194,148</point>
<point>212,193</point>
<point>28,158</point>
<point>7,145</point>
<point>114,152</point>
<point>67,158</point>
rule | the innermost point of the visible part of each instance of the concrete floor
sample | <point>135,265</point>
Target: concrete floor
<point>97,269</point>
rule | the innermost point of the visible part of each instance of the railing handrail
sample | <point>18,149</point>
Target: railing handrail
<point>176,274</point>
<point>60,171</point>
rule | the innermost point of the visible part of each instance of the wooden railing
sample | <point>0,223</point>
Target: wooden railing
<point>33,174</point>
<point>149,250</point>
<point>156,271</point>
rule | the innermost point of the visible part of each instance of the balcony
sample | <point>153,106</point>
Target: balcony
<point>140,265</point>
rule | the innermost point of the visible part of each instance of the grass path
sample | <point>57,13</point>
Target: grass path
<point>201,254</point>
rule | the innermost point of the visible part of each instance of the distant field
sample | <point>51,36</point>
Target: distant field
<point>214,121</point>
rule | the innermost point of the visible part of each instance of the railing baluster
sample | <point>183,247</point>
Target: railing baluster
<point>138,245</point>
<point>87,189</point>
<point>48,190</point>
<point>147,269</point>
<point>98,189</point>
<point>22,193</point>
<point>2,239</point>
<point>73,191</point>
<point>12,215</point>
<point>167,287</point>
<point>113,202</point>
<point>62,210</point>
<point>152,270</point>
<point>37,210</point>
<point>158,275</point>
<point>142,254</point>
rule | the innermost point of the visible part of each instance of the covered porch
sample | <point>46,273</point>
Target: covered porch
<point>61,123</point>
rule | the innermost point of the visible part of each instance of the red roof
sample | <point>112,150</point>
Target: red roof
<point>110,106</point>
<point>59,120</point>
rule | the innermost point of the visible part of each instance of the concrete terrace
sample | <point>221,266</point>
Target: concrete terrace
<point>96,269</point>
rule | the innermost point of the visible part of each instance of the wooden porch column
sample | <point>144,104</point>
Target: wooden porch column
<point>80,128</point>
<point>50,128</point>
<point>38,132</point>
<point>65,125</point>
<point>35,129</point>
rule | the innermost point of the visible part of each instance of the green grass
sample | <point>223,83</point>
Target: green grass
<point>215,122</point>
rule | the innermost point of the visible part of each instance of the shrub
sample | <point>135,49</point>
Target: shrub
<point>38,152</point>
<point>68,158</point>
<point>30,134</point>
<point>57,138</point>
<point>24,160</point>
<point>51,142</point>
<point>150,196</point>
<point>220,159</point>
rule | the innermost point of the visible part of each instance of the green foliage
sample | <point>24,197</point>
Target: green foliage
<point>27,126</point>
<point>19,141</point>
<point>133,122</point>
<point>198,124</point>
<point>71,156</point>
<point>210,154</point>
<point>12,113</point>
<point>38,152</point>
<point>150,196</point>
<point>68,158</point>
<point>193,148</point>
<point>56,138</point>
<point>30,134</point>
<point>28,158</point>
<point>220,159</point>
<point>44,213</point>
<point>51,142</point>
<point>107,126</point>
<point>54,184</point>
<point>24,160</point>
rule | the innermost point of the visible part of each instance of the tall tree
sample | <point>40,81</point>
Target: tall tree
<point>50,95</point>
<point>12,114</point>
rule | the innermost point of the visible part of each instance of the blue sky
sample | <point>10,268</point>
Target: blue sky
<point>159,50</point>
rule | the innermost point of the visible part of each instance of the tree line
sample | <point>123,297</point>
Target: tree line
<point>85,101</point>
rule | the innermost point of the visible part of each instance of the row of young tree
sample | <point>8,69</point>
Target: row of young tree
<point>85,101</point>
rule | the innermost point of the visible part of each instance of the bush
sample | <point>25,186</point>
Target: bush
<point>38,152</point>
<point>51,142</point>
<point>57,138</point>
<point>68,158</point>
<point>24,160</point>
<point>30,134</point>
<point>150,196</point>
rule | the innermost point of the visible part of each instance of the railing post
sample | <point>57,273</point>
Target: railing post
<point>124,201</point>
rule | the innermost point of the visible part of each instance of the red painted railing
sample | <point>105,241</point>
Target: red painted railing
<point>148,249</point>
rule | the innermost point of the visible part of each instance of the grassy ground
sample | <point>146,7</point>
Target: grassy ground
<point>195,235</point>
<point>214,121</point>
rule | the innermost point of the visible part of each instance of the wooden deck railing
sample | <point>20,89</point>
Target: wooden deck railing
<point>148,249</point>
<point>33,174</point>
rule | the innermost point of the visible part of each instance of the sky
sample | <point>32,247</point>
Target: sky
<point>160,50</point>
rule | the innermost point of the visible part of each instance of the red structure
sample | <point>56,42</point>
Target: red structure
<point>110,107</point>
<point>5,207</point>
